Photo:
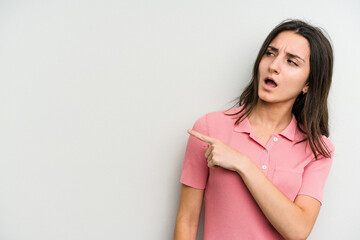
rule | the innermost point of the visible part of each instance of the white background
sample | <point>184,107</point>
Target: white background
<point>96,97</point>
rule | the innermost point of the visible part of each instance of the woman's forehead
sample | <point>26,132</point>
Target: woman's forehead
<point>293,43</point>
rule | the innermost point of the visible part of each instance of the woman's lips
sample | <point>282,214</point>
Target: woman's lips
<point>269,83</point>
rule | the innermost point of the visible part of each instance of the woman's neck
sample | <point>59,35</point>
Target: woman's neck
<point>275,117</point>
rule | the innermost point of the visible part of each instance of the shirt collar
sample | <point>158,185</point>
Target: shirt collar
<point>243,126</point>
<point>289,132</point>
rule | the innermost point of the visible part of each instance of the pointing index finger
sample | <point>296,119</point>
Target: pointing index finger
<point>201,137</point>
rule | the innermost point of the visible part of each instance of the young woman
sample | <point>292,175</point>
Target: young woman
<point>261,166</point>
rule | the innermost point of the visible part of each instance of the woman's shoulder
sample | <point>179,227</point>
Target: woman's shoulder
<point>328,143</point>
<point>219,115</point>
<point>324,139</point>
<point>218,121</point>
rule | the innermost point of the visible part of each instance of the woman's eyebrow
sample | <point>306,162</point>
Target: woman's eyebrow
<point>289,54</point>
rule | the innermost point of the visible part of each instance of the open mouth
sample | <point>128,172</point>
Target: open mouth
<point>270,83</point>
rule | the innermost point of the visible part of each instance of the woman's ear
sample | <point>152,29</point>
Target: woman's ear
<point>305,89</point>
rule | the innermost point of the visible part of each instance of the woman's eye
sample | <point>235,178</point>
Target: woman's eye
<point>269,54</point>
<point>292,62</point>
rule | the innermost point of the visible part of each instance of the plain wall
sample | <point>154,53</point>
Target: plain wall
<point>96,98</point>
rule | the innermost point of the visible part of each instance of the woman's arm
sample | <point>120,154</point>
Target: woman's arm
<point>187,220</point>
<point>293,220</point>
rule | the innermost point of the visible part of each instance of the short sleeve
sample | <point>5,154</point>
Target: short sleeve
<point>195,170</point>
<point>316,173</point>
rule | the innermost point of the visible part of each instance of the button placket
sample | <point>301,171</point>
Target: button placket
<point>265,161</point>
<point>265,165</point>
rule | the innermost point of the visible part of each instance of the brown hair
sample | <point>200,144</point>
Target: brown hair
<point>310,109</point>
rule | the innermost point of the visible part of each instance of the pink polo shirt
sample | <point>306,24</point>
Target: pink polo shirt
<point>230,210</point>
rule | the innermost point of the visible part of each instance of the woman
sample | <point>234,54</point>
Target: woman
<point>261,167</point>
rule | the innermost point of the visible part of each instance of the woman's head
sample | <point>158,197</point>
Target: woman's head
<point>308,83</point>
<point>284,69</point>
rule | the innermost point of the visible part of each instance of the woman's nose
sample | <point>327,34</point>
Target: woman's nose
<point>275,65</point>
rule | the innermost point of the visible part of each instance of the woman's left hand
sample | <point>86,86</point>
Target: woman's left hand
<point>219,153</point>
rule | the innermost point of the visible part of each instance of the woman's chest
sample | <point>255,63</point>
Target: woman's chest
<point>281,160</point>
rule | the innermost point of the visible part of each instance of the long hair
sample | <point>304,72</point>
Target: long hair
<point>310,109</point>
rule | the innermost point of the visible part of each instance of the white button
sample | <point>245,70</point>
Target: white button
<point>264,167</point>
<point>275,139</point>
<point>265,151</point>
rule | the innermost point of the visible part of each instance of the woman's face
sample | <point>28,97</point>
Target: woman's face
<point>287,63</point>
